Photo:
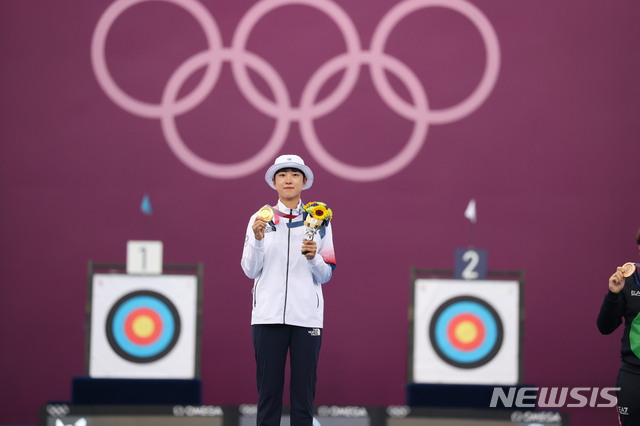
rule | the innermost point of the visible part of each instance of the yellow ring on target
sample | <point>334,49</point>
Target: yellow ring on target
<point>143,326</point>
<point>466,332</point>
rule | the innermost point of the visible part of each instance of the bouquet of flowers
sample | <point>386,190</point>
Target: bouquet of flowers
<point>318,216</point>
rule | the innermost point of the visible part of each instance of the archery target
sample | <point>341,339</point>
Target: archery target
<point>466,332</point>
<point>143,326</point>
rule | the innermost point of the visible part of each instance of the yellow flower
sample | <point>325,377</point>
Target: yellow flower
<point>318,210</point>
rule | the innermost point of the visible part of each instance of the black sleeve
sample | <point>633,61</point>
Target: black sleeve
<point>611,312</point>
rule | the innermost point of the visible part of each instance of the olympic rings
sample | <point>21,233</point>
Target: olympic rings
<point>282,109</point>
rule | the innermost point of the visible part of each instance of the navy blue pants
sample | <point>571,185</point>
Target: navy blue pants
<point>628,398</point>
<point>271,343</point>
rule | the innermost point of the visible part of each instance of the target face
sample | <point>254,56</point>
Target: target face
<point>466,332</point>
<point>143,326</point>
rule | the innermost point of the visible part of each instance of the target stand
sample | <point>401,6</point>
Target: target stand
<point>143,338</point>
<point>465,336</point>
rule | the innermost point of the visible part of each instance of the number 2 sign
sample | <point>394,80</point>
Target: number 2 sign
<point>471,264</point>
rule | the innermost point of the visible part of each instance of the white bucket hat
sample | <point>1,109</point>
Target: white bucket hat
<point>289,162</point>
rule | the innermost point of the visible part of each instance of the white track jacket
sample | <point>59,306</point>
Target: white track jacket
<point>287,287</point>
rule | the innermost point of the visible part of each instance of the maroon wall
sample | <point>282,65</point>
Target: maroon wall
<point>549,152</point>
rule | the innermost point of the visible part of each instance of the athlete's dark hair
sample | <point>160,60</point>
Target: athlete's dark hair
<point>289,169</point>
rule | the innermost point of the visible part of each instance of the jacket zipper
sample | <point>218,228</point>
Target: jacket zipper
<point>286,281</point>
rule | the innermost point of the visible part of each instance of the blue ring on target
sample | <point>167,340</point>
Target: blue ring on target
<point>116,326</point>
<point>481,310</point>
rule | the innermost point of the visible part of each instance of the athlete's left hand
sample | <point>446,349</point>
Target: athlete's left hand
<point>309,249</point>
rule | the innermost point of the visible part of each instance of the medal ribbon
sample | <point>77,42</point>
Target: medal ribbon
<point>288,216</point>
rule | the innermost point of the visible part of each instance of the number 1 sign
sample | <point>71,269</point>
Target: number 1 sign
<point>144,257</point>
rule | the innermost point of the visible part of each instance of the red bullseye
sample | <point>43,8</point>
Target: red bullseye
<point>466,332</point>
<point>143,326</point>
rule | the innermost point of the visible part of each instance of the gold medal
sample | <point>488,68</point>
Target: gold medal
<point>628,269</point>
<point>266,213</point>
